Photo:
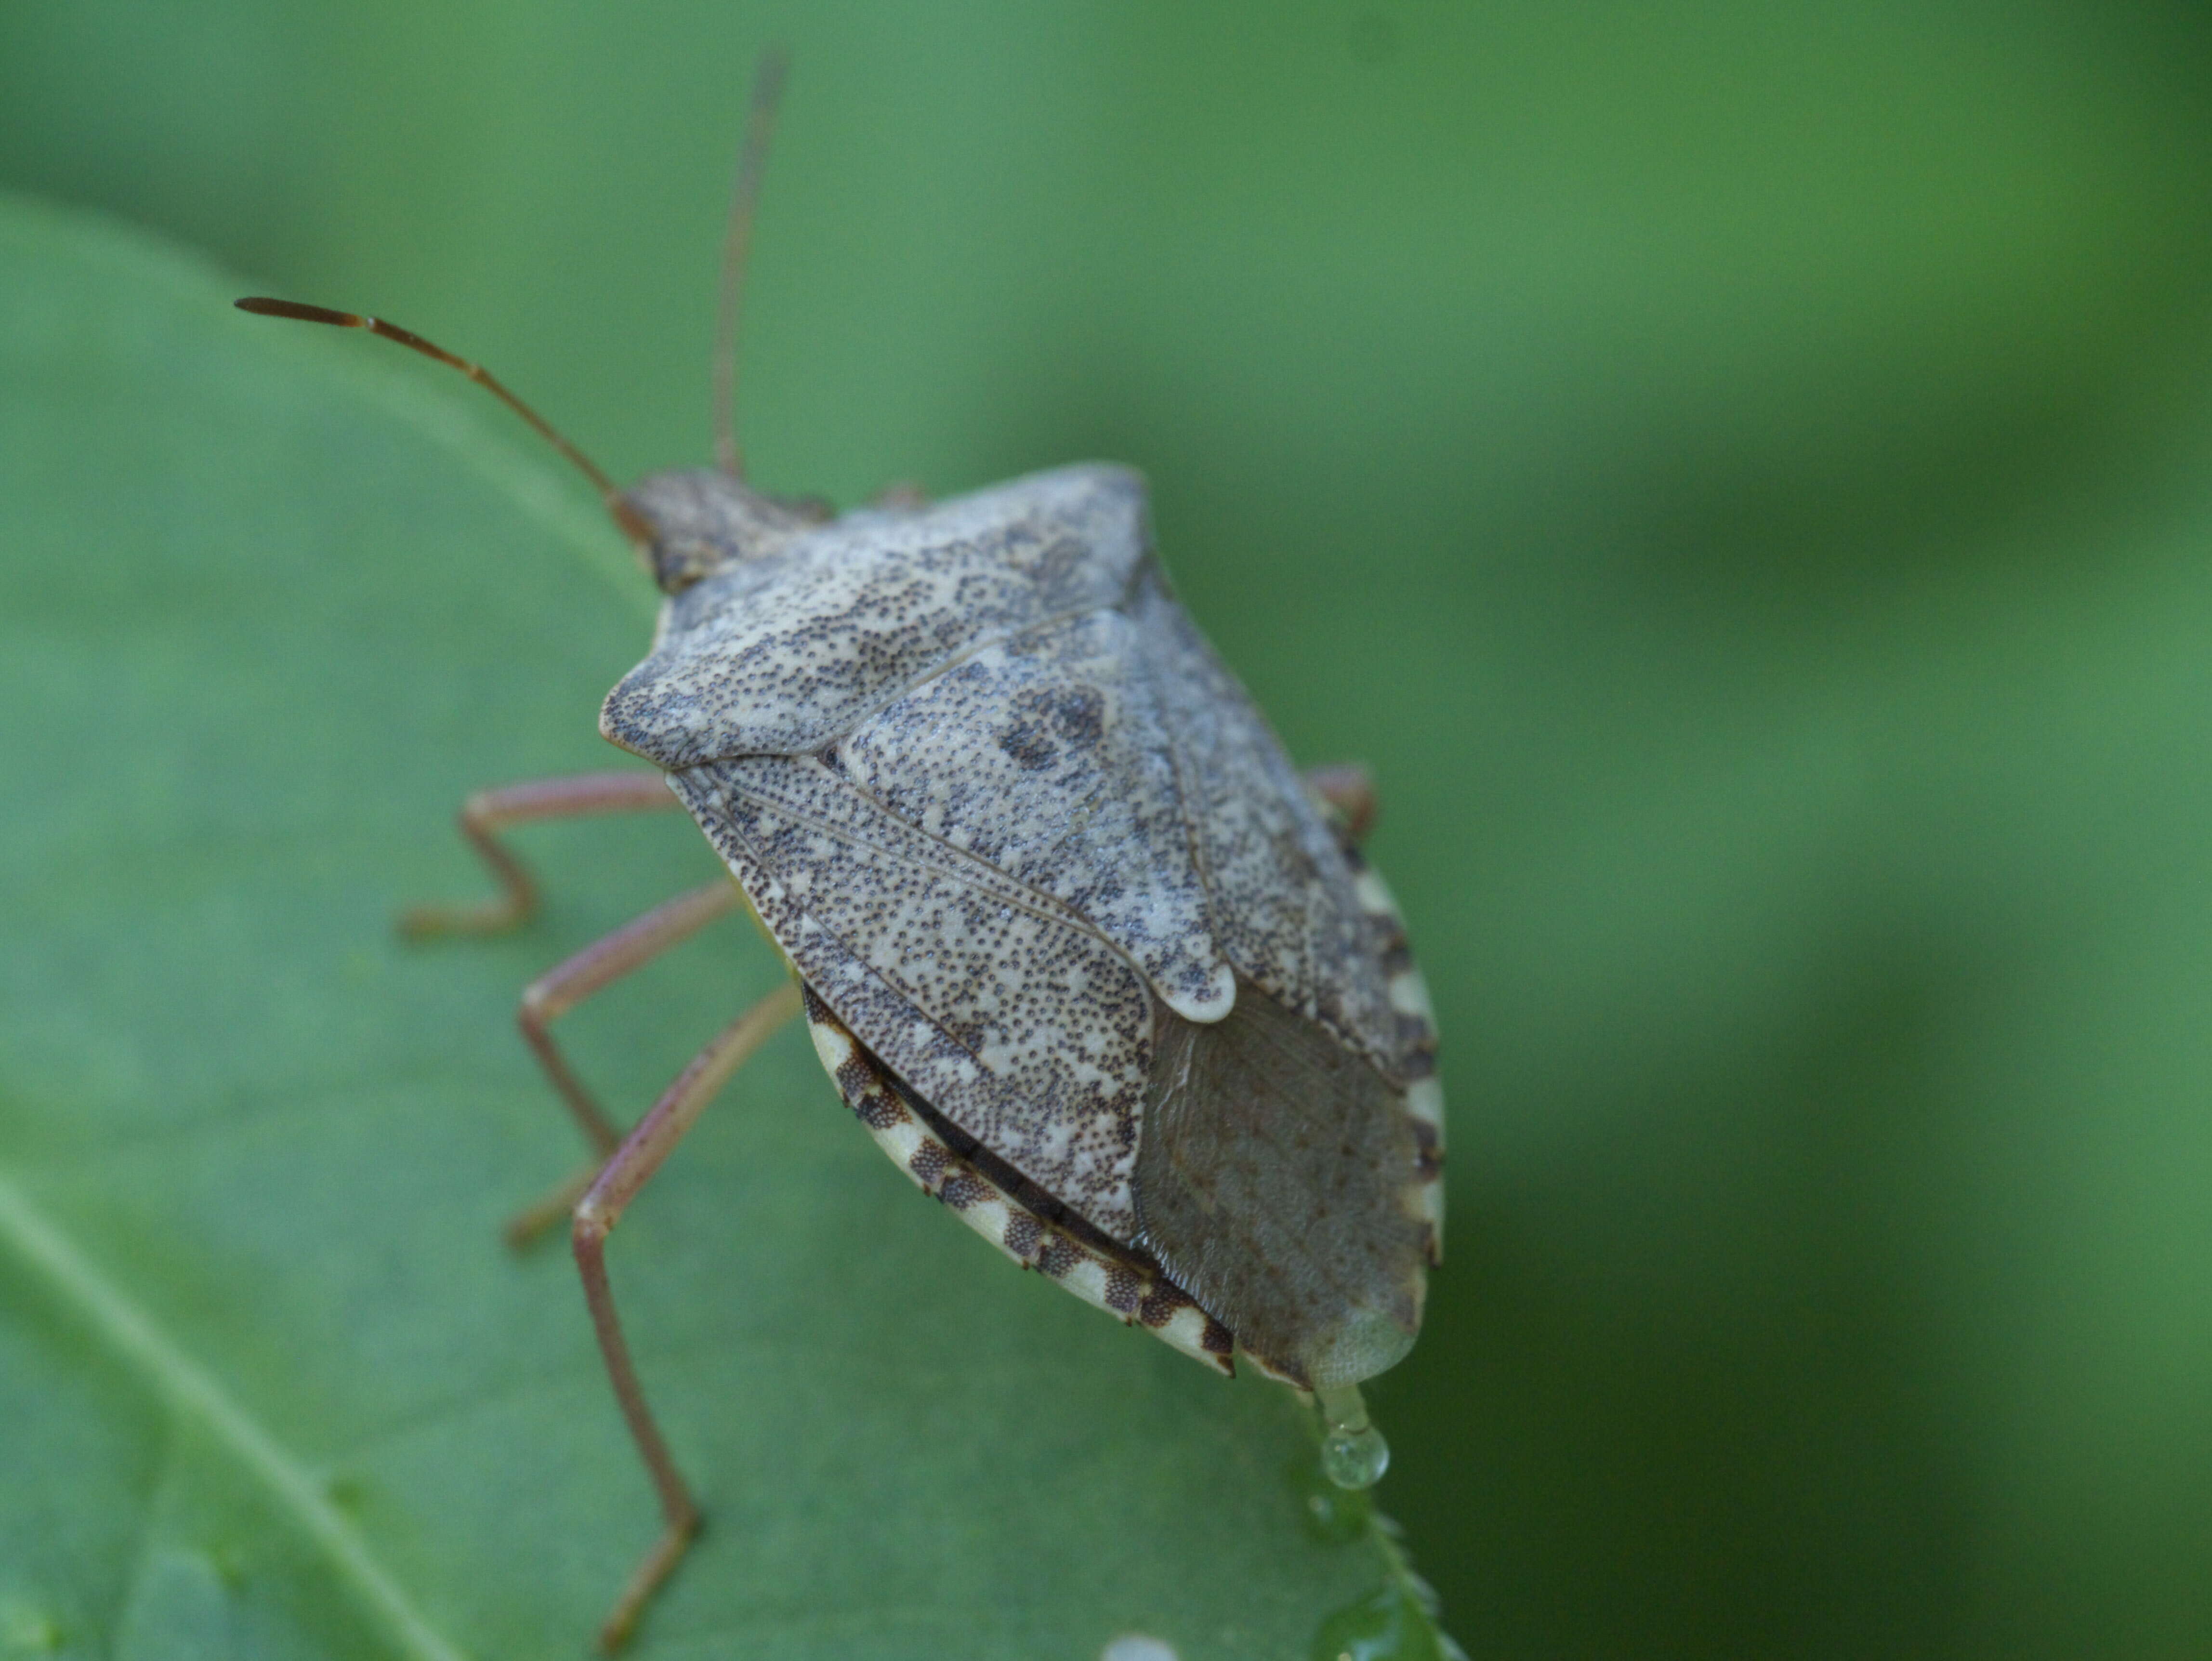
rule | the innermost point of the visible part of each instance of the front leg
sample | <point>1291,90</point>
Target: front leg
<point>488,812</point>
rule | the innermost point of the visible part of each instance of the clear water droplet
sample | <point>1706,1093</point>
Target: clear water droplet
<point>1355,1459</point>
<point>1138,1646</point>
<point>1353,1454</point>
<point>1383,1625</point>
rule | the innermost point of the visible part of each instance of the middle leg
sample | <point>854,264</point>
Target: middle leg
<point>561,989</point>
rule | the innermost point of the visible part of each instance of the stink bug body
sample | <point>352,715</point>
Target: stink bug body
<point>1085,955</point>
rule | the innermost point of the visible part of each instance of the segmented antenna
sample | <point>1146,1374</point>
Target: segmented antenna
<point>633,523</point>
<point>737,250</point>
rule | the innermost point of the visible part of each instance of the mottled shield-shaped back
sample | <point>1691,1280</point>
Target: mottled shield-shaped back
<point>1019,829</point>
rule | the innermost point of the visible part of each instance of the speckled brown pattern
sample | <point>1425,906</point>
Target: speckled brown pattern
<point>1126,1284</point>
<point>780,653</point>
<point>1006,812</point>
<point>1036,1031</point>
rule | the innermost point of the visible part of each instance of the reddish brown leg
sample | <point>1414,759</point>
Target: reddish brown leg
<point>488,812</point>
<point>633,1164</point>
<point>1346,788</point>
<point>560,989</point>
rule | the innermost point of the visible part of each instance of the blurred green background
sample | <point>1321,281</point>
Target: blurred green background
<point>1741,474</point>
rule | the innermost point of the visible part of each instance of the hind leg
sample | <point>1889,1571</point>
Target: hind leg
<point>632,1166</point>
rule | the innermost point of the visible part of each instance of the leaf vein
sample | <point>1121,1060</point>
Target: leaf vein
<point>188,1389</point>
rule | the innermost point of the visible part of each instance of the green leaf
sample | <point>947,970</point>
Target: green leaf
<point>273,602</point>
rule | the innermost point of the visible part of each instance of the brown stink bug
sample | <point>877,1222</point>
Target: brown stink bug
<point>1087,956</point>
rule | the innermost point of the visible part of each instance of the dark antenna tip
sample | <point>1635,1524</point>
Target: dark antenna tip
<point>737,251</point>
<point>262,306</point>
<point>632,523</point>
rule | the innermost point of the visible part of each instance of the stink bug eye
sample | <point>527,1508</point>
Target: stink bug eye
<point>1085,955</point>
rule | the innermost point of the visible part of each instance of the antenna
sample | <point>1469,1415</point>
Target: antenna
<point>633,523</point>
<point>737,249</point>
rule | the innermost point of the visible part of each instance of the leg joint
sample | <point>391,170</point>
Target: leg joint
<point>590,1223</point>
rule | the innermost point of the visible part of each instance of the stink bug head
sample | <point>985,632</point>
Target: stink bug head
<point>698,520</point>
